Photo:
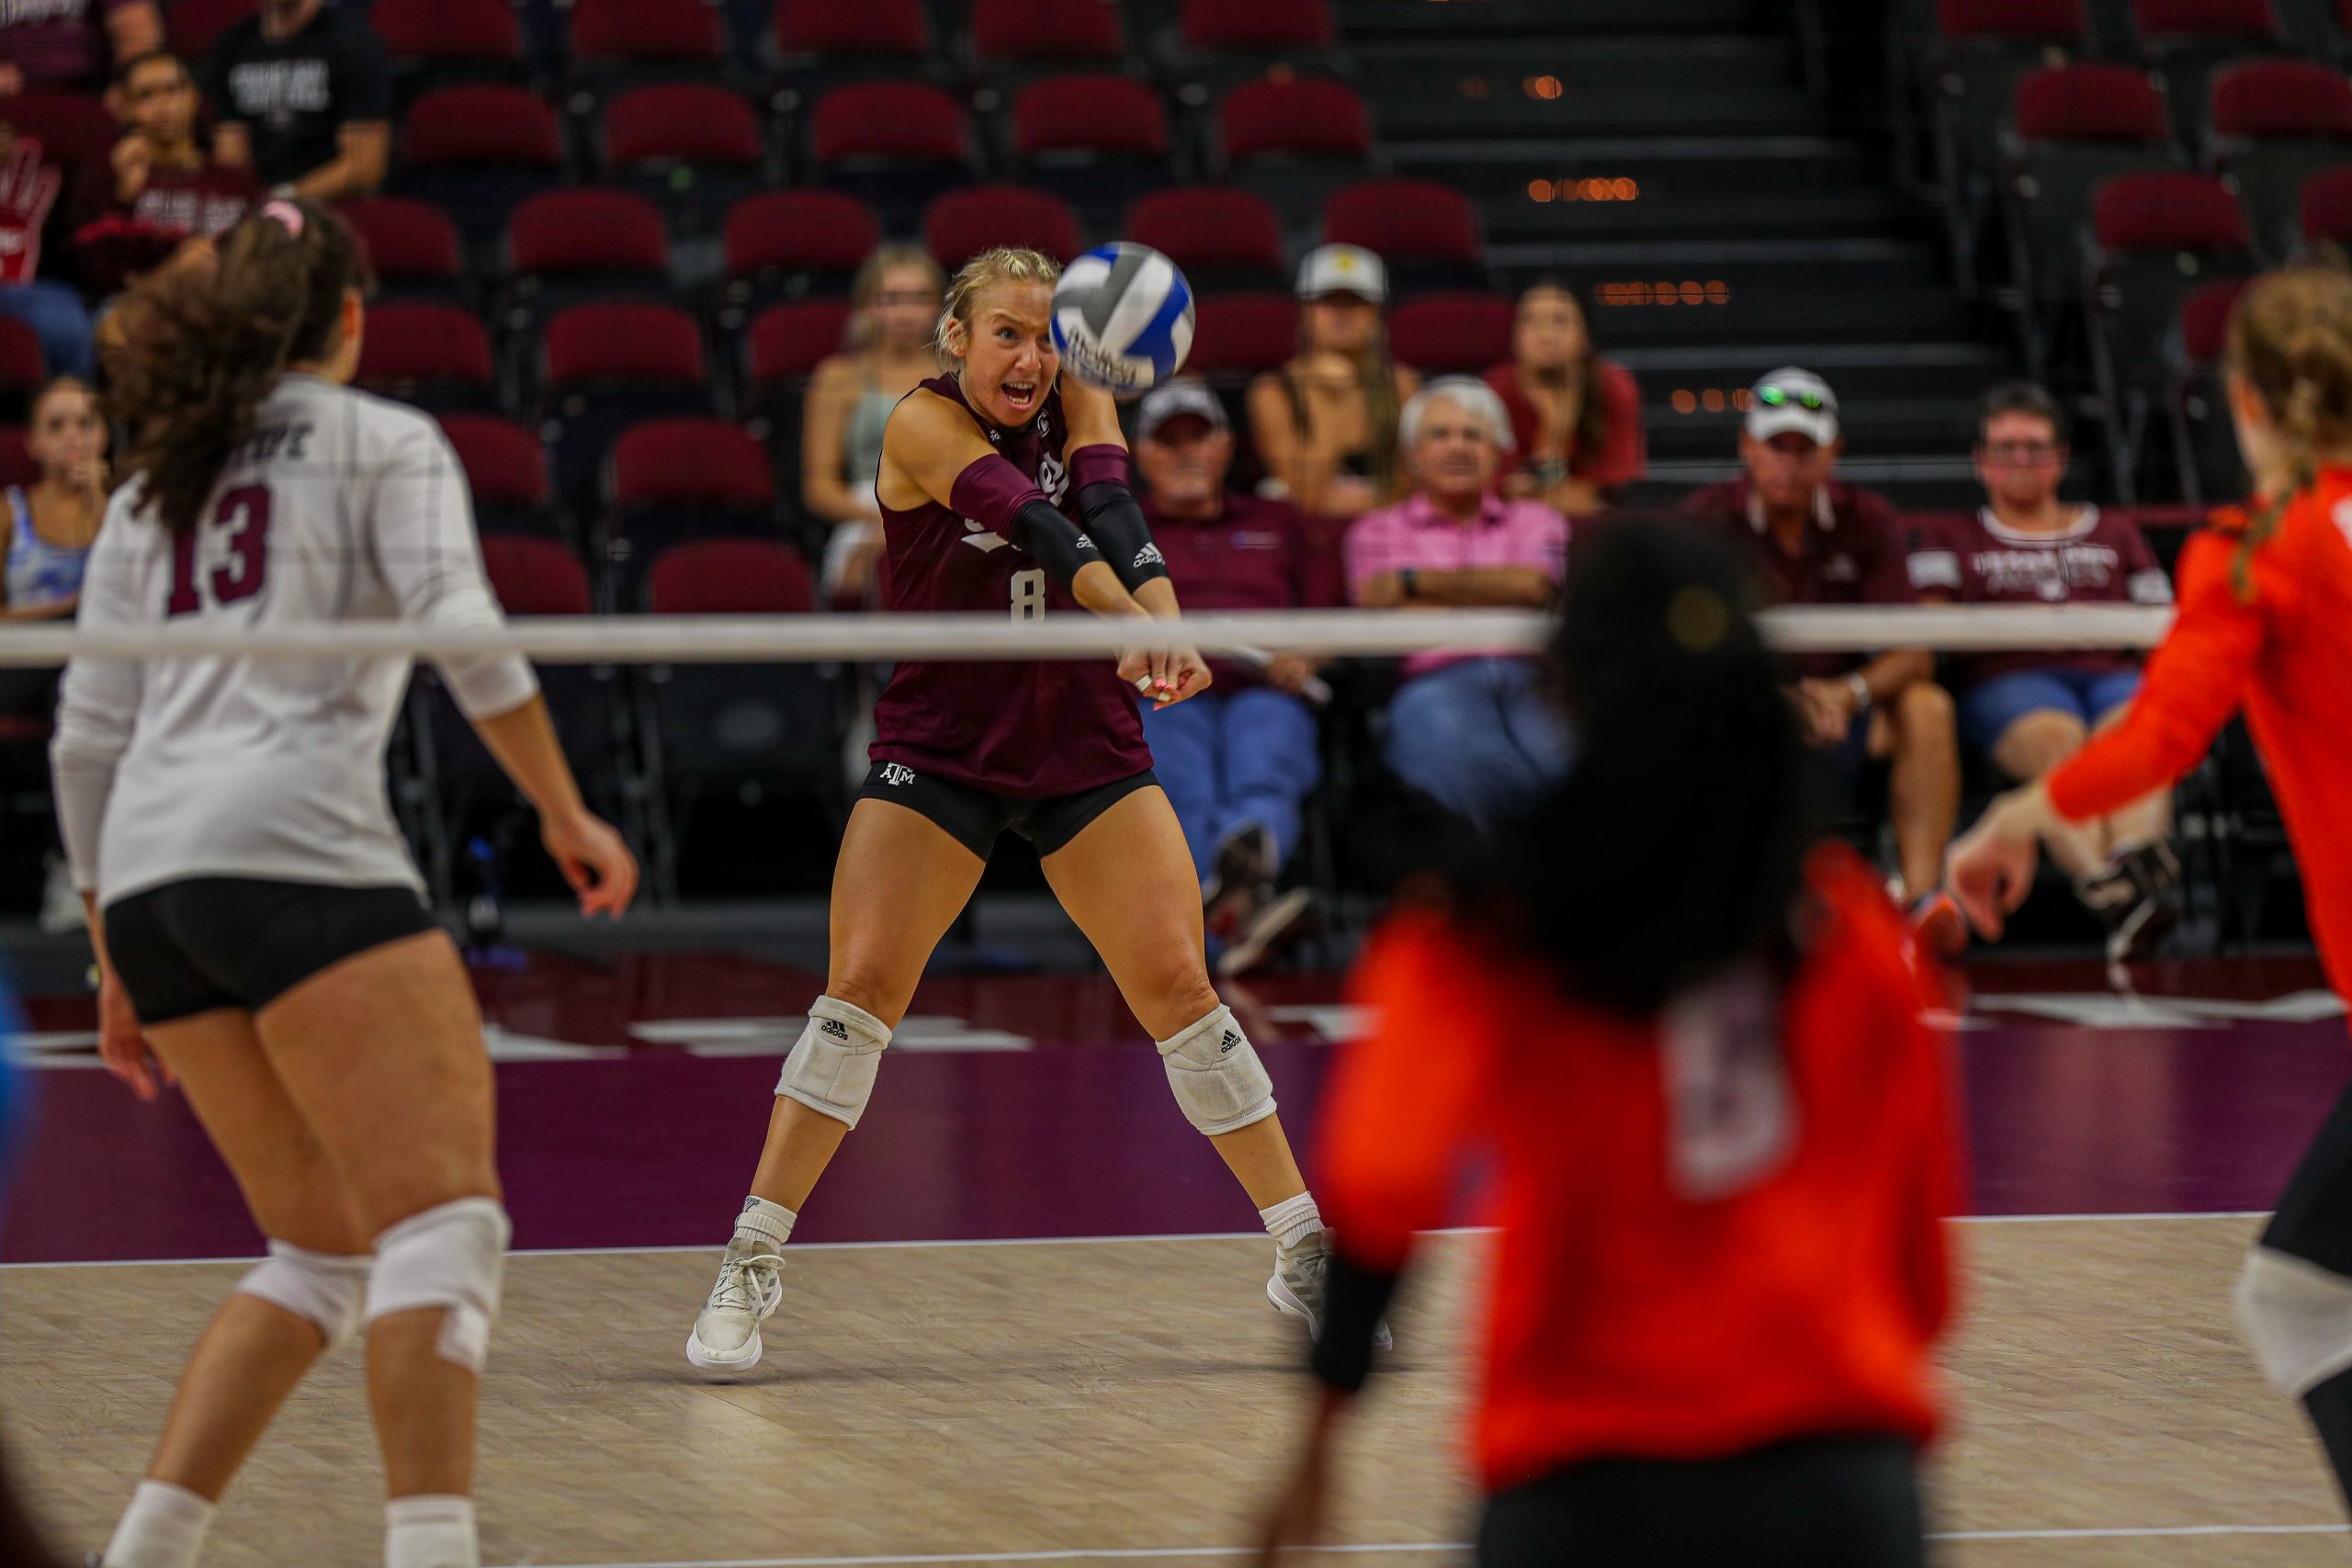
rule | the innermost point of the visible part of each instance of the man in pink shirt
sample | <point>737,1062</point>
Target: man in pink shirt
<point>1468,727</point>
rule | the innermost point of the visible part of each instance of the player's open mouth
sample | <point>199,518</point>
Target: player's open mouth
<point>1021,394</point>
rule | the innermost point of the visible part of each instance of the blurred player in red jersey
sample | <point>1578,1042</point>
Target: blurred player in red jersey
<point>2265,626</point>
<point>1722,1140</point>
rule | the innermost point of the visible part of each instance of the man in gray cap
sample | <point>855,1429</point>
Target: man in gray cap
<point>1815,540</point>
<point>1238,766</point>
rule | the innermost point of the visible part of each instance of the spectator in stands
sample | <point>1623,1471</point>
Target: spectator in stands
<point>68,44</point>
<point>1816,540</point>
<point>1467,727</point>
<point>46,530</point>
<point>897,296</point>
<point>161,186</point>
<point>302,94</point>
<point>1237,761</point>
<point>29,184</point>
<point>2029,711</point>
<point>1577,418</point>
<point>1326,423</point>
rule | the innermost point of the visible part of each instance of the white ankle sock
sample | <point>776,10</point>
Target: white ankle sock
<point>1293,1220</point>
<point>163,1527</point>
<point>770,1222</point>
<point>430,1532</point>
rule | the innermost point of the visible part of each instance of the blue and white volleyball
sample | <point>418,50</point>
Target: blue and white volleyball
<point>1123,319</point>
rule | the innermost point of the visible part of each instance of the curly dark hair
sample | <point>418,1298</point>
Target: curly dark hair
<point>202,340</point>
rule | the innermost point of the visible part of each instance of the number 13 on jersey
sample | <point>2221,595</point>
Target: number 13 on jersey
<point>1029,595</point>
<point>242,520</point>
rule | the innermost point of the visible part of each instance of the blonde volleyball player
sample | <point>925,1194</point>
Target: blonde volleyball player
<point>1003,490</point>
<point>257,920</point>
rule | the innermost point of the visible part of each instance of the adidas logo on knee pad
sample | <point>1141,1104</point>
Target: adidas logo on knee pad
<point>835,1028</point>
<point>1231,1040</point>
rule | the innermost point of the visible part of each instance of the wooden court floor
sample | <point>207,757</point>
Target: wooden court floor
<point>1119,1402</point>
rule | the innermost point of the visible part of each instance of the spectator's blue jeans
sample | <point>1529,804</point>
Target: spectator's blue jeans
<point>1234,759</point>
<point>58,318</point>
<point>1477,738</point>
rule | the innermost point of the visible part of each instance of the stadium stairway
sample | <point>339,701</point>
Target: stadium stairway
<point>1677,160</point>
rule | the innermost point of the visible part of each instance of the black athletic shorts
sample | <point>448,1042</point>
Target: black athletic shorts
<point>241,941</point>
<point>2313,1221</point>
<point>974,817</point>
<point>1818,1503</point>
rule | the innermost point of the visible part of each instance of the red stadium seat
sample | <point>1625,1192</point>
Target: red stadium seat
<point>869,28</point>
<point>687,122</point>
<point>16,464</point>
<point>2090,103</point>
<point>2054,20</point>
<point>622,31</point>
<point>1301,115</point>
<point>408,241</point>
<point>191,25</point>
<point>788,341</point>
<point>799,232</point>
<point>2159,19</point>
<point>1239,334</point>
<point>1209,230</point>
<point>435,355</point>
<point>1089,114</point>
<point>962,223</point>
<point>1456,332</point>
<point>535,577</point>
<point>75,129</point>
<point>730,577</point>
<point>700,461</point>
<point>22,369</point>
<point>2205,319</point>
<point>894,120</point>
<point>2324,207</point>
<point>504,463</point>
<point>623,341</point>
<point>2168,209</point>
<point>567,232</point>
<point>2282,98</point>
<point>1427,232</point>
<point>470,127</point>
<point>1006,30</point>
<point>486,31</point>
<point>1250,26</point>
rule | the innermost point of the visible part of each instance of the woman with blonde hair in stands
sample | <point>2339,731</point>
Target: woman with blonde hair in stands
<point>1004,490</point>
<point>1325,425</point>
<point>896,298</point>
<point>260,931</point>
<point>2265,626</point>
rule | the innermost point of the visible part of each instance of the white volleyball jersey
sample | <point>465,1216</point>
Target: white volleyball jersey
<point>343,507</point>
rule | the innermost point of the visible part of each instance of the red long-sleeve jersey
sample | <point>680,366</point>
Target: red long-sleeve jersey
<point>2284,654</point>
<point>1719,1228</point>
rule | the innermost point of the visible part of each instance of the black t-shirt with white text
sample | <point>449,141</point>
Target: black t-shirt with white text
<point>292,95</point>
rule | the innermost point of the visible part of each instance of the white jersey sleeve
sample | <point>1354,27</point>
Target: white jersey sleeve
<point>97,703</point>
<point>420,522</point>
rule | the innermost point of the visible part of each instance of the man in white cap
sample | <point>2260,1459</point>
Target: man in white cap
<point>1240,766</point>
<point>1325,423</point>
<point>1816,540</point>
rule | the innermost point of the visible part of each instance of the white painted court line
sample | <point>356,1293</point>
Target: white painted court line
<point>800,1246</point>
<point>1166,1553</point>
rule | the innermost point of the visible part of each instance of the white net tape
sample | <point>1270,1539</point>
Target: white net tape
<point>725,639</point>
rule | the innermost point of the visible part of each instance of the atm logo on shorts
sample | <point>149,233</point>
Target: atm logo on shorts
<point>895,773</point>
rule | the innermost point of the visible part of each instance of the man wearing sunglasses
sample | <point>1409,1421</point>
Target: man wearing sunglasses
<point>2029,711</point>
<point>1816,540</point>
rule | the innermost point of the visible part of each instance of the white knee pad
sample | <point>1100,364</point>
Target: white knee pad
<point>1220,1083</point>
<point>2299,1318</point>
<point>832,1068</point>
<point>328,1288</point>
<point>452,1257</point>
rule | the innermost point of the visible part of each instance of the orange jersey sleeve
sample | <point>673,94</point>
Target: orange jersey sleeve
<point>2196,680</point>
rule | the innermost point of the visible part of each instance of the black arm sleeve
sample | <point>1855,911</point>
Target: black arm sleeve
<point>1117,524</point>
<point>1060,546</point>
<point>1354,1299</point>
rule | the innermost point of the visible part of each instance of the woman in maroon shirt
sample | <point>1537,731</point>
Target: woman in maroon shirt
<point>1003,490</point>
<point>1576,417</point>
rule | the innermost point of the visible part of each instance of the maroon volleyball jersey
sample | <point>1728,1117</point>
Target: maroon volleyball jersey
<point>2102,559</point>
<point>1033,728</point>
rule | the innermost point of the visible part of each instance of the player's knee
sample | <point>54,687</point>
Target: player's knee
<point>453,1258</point>
<point>2298,1316</point>
<point>1215,1073</point>
<point>1186,991</point>
<point>329,1289</point>
<point>831,1066</point>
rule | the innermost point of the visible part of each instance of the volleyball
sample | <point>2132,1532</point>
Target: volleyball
<point>1123,319</point>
